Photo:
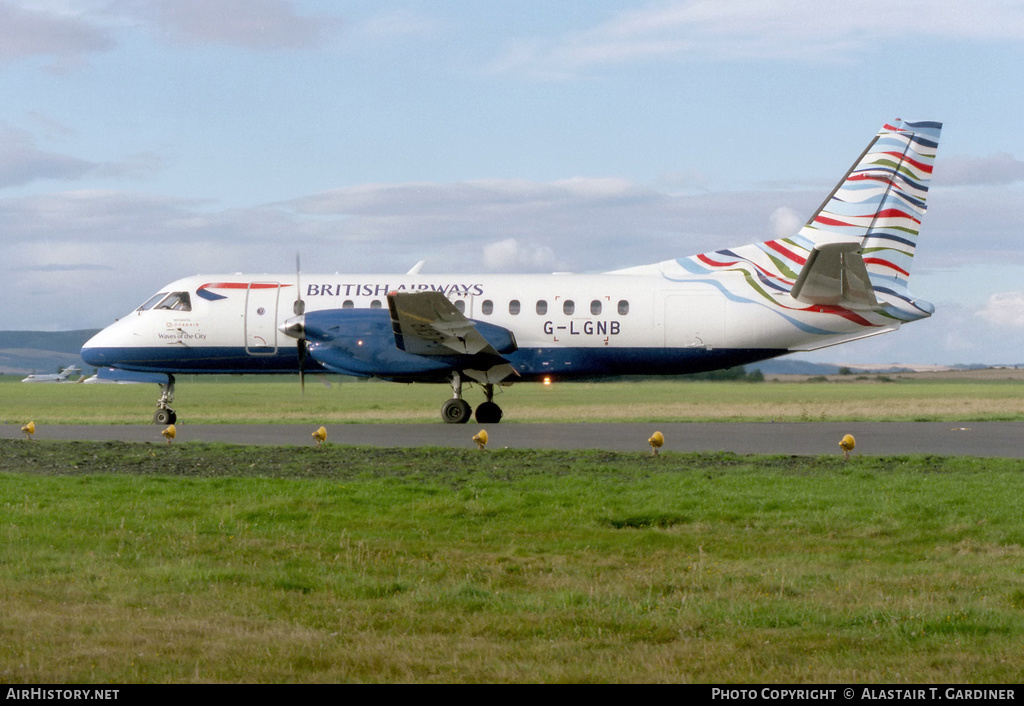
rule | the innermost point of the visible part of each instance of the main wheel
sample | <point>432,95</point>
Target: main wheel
<point>488,413</point>
<point>456,411</point>
<point>165,415</point>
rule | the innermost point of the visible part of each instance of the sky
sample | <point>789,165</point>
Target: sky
<point>146,140</point>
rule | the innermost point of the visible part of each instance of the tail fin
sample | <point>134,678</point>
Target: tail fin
<point>855,252</point>
<point>880,203</point>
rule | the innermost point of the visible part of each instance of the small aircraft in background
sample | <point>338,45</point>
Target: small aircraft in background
<point>844,276</point>
<point>63,376</point>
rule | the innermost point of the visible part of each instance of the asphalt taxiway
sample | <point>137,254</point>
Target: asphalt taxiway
<point>983,439</point>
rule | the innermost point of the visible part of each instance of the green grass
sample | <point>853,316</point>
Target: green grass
<point>277,399</point>
<point>214,563</point>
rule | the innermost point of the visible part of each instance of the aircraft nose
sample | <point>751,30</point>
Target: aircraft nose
<point>93,356</point>
<point>99,350</point>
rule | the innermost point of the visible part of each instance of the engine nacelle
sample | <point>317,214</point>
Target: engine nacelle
<point>361,342</point>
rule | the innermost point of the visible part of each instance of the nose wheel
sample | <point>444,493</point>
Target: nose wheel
<point>164,414</point>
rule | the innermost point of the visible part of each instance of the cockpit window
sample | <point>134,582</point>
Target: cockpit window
<point>152,301</point>
<point>176,301</point>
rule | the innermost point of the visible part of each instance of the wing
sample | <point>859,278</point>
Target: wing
<point>428,324</point>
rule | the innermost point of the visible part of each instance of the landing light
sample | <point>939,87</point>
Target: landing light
<point>547,381</point>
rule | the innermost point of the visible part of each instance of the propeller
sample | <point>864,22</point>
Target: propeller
<point>299,308</point>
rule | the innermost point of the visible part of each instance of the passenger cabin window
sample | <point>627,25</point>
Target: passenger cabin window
<point>461,306</point>
<point>623,307</point>
<point>375,304</point>
<point>595,307</point>
<point>568,307</point>
<point>348,304</point>
<point>542,307</point>
<point>513,307</point>
<point>487,308</point>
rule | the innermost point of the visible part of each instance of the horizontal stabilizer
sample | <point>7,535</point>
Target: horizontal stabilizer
<point>835,274</point>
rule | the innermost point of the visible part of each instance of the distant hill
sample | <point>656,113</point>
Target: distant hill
<point>793,366</point>
<point>25,352</point>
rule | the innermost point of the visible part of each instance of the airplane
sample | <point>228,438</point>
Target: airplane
<point>63,376</point>
<point>844,276</point>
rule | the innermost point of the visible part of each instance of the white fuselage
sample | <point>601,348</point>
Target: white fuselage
<point>643,322</point>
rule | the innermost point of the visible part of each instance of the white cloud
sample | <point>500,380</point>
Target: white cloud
<point>390,25</point>
<point>798,30</point>
<point>252,24</point>
<point>786,221</point>
<point>510,255</point>
<point>973,225</point>
<point>26,31</point>
<point>598,188</point>
<point>1000,168</point>
<point>1005,309</point>
<point>21,162</point>
<point>684,180</point>
<point>475,201</point>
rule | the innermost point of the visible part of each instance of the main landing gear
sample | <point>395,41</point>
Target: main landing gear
<point>457,411</point>
<point>164,414</point>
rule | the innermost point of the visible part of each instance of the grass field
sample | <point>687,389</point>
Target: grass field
<point>212,563</point>
<point>277,399</point>
<point>208,563</point>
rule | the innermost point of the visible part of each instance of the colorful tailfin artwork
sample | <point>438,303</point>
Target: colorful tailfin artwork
<point>855,252</point>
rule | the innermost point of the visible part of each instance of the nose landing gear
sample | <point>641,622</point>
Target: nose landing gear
<point>164,414</point>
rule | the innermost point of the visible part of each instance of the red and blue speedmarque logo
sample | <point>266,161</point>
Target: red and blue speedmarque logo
<point>205,292</point>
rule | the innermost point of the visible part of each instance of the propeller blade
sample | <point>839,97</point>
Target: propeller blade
<point>299,307</point>
<point>303,349</point>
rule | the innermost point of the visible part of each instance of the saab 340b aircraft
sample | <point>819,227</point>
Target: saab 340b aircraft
<point>842,277</point>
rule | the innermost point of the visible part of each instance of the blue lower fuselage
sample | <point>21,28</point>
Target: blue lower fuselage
<point>530,363</point>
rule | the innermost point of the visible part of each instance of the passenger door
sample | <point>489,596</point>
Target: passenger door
<point>261,318</point>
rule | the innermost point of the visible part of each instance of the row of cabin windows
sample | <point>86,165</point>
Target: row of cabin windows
<point>514,306</point>
<point>179,301</point>
<point>568,307</point>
